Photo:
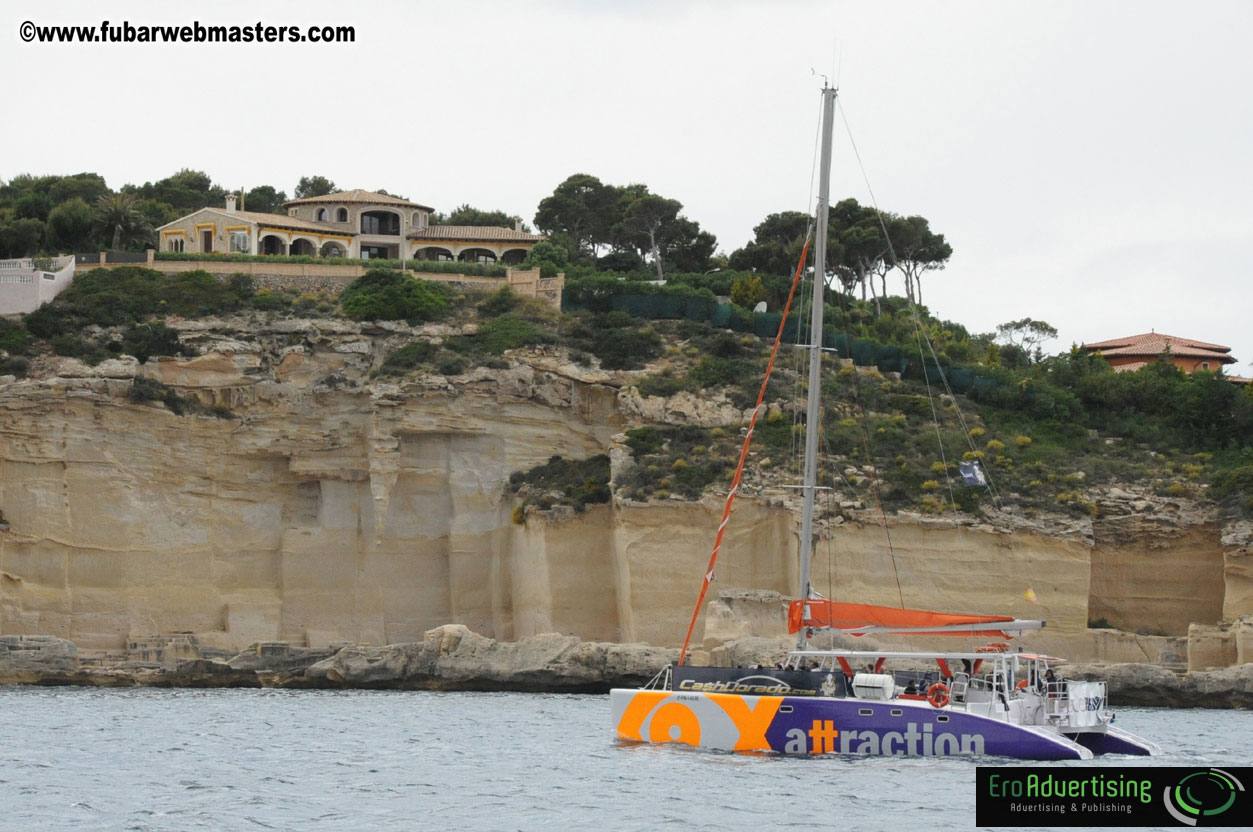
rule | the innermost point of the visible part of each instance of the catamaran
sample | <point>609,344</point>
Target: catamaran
<point>986,701</point>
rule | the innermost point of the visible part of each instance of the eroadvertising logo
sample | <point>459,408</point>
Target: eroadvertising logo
<point>1122,796</point>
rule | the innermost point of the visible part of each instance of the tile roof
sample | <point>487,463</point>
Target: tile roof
<point>275,220</point>
<point>474,233</point>
<point>1152,344</point>
<point>1153,340</point>
<point>360,196</point>
<point>284,221</point>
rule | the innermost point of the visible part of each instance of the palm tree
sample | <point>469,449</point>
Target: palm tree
<point>117,215</point>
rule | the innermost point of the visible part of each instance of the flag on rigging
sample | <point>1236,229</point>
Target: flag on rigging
<point>972,473</point>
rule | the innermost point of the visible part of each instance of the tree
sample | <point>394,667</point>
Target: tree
<point>469,215</point>
<point>546,253</point>
<point>644,218</point>
<point>186,191</point>
<point>687,247</point>
<point>747,292</point>
<point>32,205</point>
<point>264,199</point>
<point>1027,335</point>
<point>310,186</point>
<point>776,245</point>
<point>69,226</point>
<point>88,187</point>
<point>860,250</point>
<point>117,219</point>
<point>155,212</point>
<point>918,250</point>
<point>583,209</point>
<point>22,237</point>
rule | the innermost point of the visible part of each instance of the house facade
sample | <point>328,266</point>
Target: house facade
<point>356,224</point>
<point>1135,351</point>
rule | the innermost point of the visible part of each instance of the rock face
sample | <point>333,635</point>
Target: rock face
<point>1156,687</point>
<point>453,658</point>
<point>328,508</point>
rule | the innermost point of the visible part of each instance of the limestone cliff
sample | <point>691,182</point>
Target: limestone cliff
<point>320,506</point>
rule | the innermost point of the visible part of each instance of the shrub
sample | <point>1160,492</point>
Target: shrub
<point>995,445</point>
<point>146,340</point>
<point>14,365</point>
<point>577,482</point>
<point>381,295</point>
<point>644,441</point>
<point>504,333</point>
<point>145,390</point>
<point>398,362</point>
<point>450,365</point>
<point>663,384</point>
<point>14,338</point>
<point>498,303</point>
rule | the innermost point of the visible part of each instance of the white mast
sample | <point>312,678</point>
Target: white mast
<point>812,416</point>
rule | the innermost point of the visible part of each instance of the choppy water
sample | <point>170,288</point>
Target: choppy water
<point>193,759</point>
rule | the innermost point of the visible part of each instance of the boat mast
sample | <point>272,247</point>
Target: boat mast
<point>812,416</point>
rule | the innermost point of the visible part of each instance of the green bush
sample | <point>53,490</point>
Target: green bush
<point>145,340</point>
<point>14,337</point>
<point>398,362</point>
<point>507,332</point>
<point>144,390</point>
<point>392,296</point>
<point>14,365</point>
<point>564,482</point>
<point>498,303</point>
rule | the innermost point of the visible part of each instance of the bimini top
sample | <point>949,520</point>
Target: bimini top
<point>860,619</point>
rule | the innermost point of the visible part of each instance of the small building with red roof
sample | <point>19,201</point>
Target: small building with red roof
<point>1135,351</point>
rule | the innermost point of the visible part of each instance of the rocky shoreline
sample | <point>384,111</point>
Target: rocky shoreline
<point>454,658</point>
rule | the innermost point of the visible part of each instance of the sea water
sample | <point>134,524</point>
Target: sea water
<point>147,759</point>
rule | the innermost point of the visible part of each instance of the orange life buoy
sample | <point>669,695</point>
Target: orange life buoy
<point>937,695</point>
<point>1022,684</point>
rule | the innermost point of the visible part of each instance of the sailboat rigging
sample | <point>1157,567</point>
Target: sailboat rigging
<point>985,701</point>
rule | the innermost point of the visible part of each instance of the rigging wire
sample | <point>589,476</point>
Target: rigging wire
<point>739,470</point>
<point>923,337</point>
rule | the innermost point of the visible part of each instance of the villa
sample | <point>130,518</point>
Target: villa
<point>357,224</point>
<point>1135,351</point>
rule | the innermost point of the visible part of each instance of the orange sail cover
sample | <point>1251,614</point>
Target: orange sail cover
<point>859,619</point>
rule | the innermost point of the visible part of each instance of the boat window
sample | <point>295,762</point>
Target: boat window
<point>785,709</point>
<point>897,712</point>
<point>865,712</point>
<point>941,718</point>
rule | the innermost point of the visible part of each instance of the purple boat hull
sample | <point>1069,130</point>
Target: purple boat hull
<point>820,725</point>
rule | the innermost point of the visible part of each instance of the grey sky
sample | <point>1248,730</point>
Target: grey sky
<point>1088,161</point>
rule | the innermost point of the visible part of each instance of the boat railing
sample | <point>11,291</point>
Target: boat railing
<point>662,680</point>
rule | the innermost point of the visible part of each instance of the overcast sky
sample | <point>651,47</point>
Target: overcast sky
<point>1088,161</point>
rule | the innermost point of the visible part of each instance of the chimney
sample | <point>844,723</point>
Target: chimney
<point>230,202</point>
<point>517,223</point>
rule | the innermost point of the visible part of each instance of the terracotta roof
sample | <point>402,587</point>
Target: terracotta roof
<point>1149,340</point>
<point>360,196</point>
<point>284,221</point>
<point>474,233</point>
<point>1130,368</point>
<point>275,220</point>
<point>1239,379</point>
<point>1151,344</point>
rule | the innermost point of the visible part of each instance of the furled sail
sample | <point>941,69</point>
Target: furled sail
<point>860,619</point>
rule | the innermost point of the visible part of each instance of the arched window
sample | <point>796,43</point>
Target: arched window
<point>321,215</point>
<point>341,215</point>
